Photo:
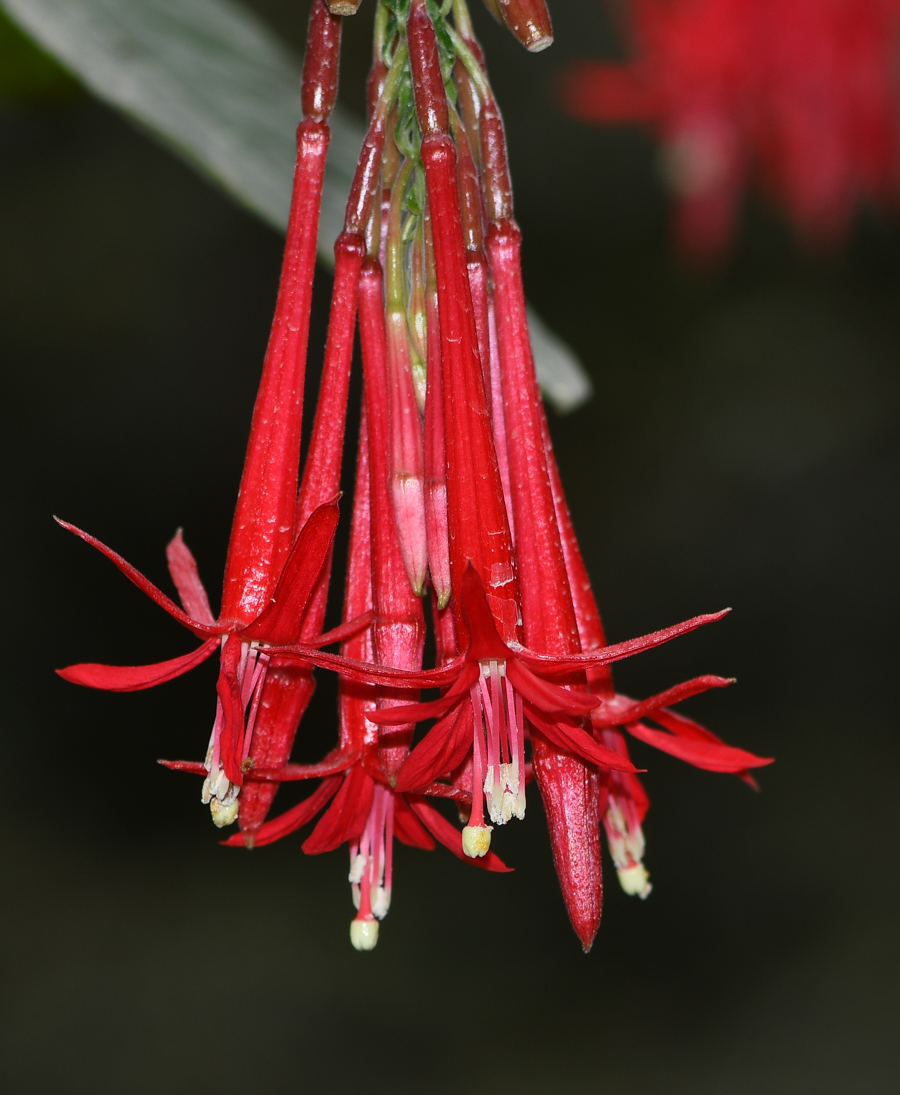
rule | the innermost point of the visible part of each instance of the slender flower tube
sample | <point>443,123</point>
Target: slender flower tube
<point>270,571</point>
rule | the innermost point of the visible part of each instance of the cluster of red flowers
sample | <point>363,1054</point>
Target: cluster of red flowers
<point>457,503</point>
<point>803,96</point>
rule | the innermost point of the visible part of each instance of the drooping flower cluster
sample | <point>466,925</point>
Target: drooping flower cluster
<point>457,501</point>
<point>802,98</point>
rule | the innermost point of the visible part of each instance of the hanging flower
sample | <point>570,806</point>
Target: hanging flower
<point>801,99</point>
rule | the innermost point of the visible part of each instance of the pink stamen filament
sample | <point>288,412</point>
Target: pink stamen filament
<point>498,714</point>
<point>371,858</point>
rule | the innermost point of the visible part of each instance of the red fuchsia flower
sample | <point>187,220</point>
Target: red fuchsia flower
<point>279,547</point>
<point>801,98</point>
<point>365,810</point>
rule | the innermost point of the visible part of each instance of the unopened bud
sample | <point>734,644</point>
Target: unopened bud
<point>224,813</point>
<point>364,934</point>
<point>528,20</point>
<point>476,840</point>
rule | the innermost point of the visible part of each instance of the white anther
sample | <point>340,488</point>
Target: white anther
<point>476,840</point>
<point>364,934</point>
<point>357,869</point>
<point>381,902</point>
<point>635,880</point>
<point>224,813</point>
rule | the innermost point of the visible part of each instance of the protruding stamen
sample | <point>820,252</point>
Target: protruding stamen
<point>626,845</point>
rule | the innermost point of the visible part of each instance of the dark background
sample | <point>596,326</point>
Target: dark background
<point>741,449</point>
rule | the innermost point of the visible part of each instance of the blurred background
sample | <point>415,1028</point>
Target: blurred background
<point>741,449</point>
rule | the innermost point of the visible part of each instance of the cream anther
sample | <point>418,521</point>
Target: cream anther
<point>381,902</point>
<point>476,840</point>
<point>364,934</point>
<point>357,867</point>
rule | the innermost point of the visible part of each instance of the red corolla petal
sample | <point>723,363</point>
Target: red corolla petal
<point>549,697</point>
<point>337,761</point>
<point>451,837</point>
<point>186,576</point>
<point>407,827</point>
<point>288,822</point>
<point>562,663</point>
<point>346,817</point>
<point>280,621</point>
<point>442,750</point>
<point>132,678</point>
<point>573,739</point>
<point>485,643</point>
<point>712,756</point>
<point>194,767</point>
<point>231,743</point>
<point>143,584</point>
<point>618,713</point>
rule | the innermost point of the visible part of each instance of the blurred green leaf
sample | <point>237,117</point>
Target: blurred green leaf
<point>212,82</point>
<point>26,71</point>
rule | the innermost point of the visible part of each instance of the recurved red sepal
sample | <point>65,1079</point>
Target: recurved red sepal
<point>712,756</point>
<point>132,678</point>
<point>346,817</point>
<point>194,767</point>
<point>448,835</point>
<point>288,822</point>
<point>620,711</point>
<point>571,796</point>
<point>143,584</point>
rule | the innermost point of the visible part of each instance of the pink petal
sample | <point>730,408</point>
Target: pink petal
<point>132,678</point>
<point>143,584</point>
<point>183,568</point>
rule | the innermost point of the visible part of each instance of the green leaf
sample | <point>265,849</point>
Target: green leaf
<point>211,81</point>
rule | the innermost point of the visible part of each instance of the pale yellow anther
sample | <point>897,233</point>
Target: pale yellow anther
<point>476,840</point>
<point>364,934</point>
<point>224,813</point>
<point>635,880</point>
